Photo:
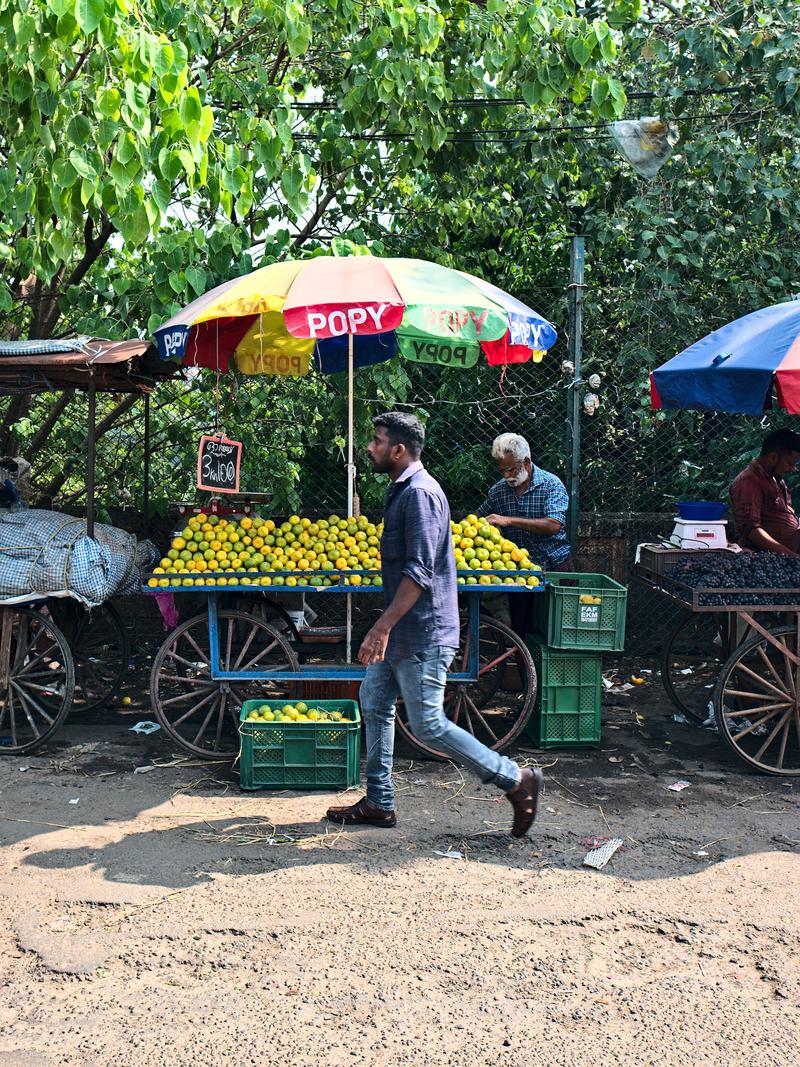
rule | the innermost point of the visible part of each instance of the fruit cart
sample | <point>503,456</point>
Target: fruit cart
<point>271,322</point>
<point>54,652</point>
<point>736,652</point>
<point>212,663</point>
<point>243,646</point>
<point>739,643</point>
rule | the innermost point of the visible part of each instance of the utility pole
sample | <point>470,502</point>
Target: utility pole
<point>576,289</point>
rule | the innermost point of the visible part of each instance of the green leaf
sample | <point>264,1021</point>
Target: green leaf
<point>169,163</point>
<point>599,91</point>
<point>580,50</point>
<point>291,181</point>
<point>298,27</point>
<point>126,149</point>
<point>79,129</point>
<point>177,282</point>
<point>162,194</point>
<point>164,59</point>
<point>191,109</point>
<point>88,14</point>
<point>108,102</point>
<point>82,165</point>
<point>187,160</point>
<point>64,174</point>
<point>196,277</point>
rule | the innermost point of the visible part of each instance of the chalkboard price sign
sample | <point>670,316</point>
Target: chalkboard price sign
<point>218,462</point>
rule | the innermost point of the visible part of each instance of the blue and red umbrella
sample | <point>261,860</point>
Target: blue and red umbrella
<point>737,368</point>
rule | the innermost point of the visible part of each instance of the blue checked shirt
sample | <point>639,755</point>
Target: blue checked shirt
<point>545,498</point>
<point>416,543</point>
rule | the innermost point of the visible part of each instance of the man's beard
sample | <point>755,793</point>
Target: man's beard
<point>518,479</point>
<point>378,467</point>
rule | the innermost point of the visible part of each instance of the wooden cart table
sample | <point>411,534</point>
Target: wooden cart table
<point>737,650</point>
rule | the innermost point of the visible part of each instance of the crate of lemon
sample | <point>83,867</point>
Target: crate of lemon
<point>299,745</point>
<point>322,554</point>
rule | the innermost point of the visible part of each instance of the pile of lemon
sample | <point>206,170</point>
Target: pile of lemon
<point>294,713</point>
<point>216,551</point>
<point>479,546</point>
<point>306,552</point>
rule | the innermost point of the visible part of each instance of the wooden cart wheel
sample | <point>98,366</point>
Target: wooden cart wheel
<point>496,707</point>
<point>696,644</point>
<point>695,649</point>
<point>100,649</point>
<point>199,713</point>
<point>757,703</point>
<point>37,679</point>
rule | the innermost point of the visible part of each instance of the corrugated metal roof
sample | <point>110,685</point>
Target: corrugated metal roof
<point>114,366</point>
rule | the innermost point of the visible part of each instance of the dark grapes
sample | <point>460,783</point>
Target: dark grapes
<point>744,570</point>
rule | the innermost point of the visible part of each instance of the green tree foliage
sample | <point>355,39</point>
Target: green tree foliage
<point>712,237</point>
<point>264,130</point>
<point>149,151</point>
<point>185,139</point>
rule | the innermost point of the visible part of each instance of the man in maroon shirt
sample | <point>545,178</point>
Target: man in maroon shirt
<point>762,504</point>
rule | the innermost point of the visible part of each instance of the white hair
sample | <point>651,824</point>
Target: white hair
<point>511,444</point>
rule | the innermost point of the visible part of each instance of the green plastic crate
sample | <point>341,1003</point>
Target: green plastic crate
<point>300,755</point>
<point>567,711</point>
<point>565,622</point>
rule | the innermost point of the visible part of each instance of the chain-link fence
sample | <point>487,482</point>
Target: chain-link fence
<point>635,463</point>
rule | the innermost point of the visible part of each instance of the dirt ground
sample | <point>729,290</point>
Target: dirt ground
<point>163,917</point>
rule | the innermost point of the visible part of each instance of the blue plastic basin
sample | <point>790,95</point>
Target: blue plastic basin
<point>701,510</point>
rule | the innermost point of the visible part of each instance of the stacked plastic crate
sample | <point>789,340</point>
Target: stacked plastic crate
<point>578,618</point>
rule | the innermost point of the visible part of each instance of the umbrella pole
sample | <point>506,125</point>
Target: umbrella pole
<point>350,468</point>
<point>350,480</point>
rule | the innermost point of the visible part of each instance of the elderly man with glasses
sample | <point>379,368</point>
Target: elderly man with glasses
<point>530,506</point>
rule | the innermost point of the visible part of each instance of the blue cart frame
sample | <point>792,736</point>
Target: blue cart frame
<point>229,680</point>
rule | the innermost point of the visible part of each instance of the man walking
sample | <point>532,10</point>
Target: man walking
<point>408,650</point>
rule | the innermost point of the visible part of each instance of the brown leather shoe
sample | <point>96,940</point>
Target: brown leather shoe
<point>362,813</point>
<point>525,800</point>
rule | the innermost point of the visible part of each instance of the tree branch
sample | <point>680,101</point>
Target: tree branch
<point>47,495</point>
<point>19,406</point>
<point>670,7</point>
<point>94,246</point>
<point>46,427</point>
<point>276,66</point>
<point>322,204</point>
<point>77,68</point>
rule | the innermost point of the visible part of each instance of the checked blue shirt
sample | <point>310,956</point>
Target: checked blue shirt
<point>545,498</point>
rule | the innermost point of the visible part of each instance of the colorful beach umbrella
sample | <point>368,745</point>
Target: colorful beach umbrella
<point>347,312</point>
<point>280,317</point>
<point>738,367</point>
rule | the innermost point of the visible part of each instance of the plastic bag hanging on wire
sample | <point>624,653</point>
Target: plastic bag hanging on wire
<point>646,143</point>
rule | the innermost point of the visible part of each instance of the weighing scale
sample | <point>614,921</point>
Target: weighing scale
<point>691,533</point>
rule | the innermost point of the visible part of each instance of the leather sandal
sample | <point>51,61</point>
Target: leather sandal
<point>525,800</point>
<point>362,813</point>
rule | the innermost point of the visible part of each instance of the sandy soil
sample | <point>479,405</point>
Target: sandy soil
<point>166,918</point>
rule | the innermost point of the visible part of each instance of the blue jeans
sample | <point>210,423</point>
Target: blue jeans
<point>421,682</point>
